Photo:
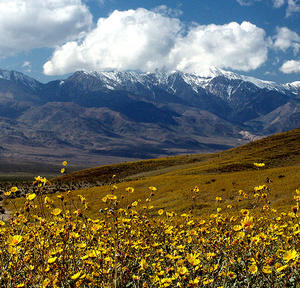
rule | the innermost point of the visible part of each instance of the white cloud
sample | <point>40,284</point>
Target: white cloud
<point>247,2</point>
<point>166,11</point>
<point>278,3</point>
<point>129,40</point>
<point>233,46</point>
<point>146,40</point>
<point>291,66</point>
<point>293,7</point>
<point>29,24</point>
<point>27,66</point>
<point>286,38</point>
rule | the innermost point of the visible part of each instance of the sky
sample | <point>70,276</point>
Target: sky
<point>52,39</point>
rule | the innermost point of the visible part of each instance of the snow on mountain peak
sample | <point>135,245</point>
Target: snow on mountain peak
<point>295,84</point>
<point>19,77</point>
<point>293,87</point>
<point>217,72</point>
<point>116,79</point>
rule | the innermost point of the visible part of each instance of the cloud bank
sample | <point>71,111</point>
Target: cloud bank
<point>148,40</point>
<point>29,24</point>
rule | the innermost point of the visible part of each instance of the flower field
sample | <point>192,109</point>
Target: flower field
<point>52,242</point>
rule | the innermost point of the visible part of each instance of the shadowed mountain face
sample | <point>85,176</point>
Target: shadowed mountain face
<point>96,118</point>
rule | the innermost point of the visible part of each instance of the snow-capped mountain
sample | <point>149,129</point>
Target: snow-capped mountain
<point>227,94</point>
<point>133,114</point>
<point>19,78</point>
<point>293,87</point>
<point>131,81</point>
<point>114,80</point>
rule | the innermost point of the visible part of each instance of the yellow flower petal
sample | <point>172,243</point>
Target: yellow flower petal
<point>267,269</point>
<point>46,282</point>
<point>290,255</point>
<point>75,276</point>
<point>14,240</point>
<point>7,193</point>
<point>130,189</point>
<point>14,189</point>
<point>52,260</point>
<point>111,197</point>
<point>31,196</point>
<point>253,269</point>
<point>56,211</point>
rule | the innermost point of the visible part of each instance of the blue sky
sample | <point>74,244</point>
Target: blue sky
<point>51,39</point>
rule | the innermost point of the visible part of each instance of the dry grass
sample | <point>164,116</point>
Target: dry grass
<point>220,174</point>
<point>175,190</point>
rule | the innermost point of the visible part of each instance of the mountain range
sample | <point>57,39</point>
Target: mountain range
<point>94,118</point>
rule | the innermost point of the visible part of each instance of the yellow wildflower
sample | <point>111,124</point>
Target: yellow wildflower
<point>280,268</point>
<point>247,222</point>
<point>76,276</point>
<point>31,196</point>
<point>267,269</point>
<point>143,264</point>
<point>130,189</point>
<point>14,189</point>
<point>52,260</point>
<point>46,282</point>
<point>259,164</point>
<point>135,277</point>
<point>182,270</point>
<point>160,212</point>
<point>7,193</point>
<point>253,269</point>
<point>56,211</point>
<point>231,274</point>
<point>290,255</point>
<point>192,259</point>
<point>111,196</point>
<point>14,240</point>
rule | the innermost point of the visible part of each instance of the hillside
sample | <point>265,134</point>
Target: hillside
<point>279,150</point>
<point>221,174</point>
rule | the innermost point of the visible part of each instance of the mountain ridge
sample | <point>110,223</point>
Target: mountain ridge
<point>122,115</point>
